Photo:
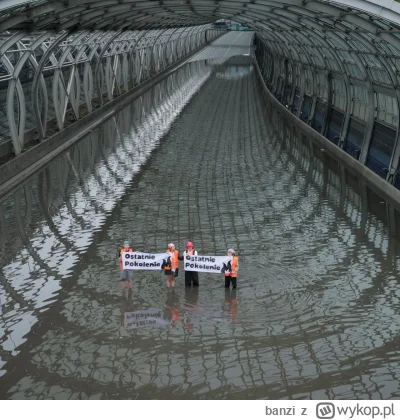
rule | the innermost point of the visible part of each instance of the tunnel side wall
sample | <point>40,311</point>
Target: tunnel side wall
<point>356,107</point>
<point>373,180</point>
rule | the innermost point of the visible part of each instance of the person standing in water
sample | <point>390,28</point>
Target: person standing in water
<point>191,277</point>
<point>171,268</point>
<point>126,275</point>
<point>233,270</point>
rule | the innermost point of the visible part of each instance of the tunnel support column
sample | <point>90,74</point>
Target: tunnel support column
<point>328,110</point>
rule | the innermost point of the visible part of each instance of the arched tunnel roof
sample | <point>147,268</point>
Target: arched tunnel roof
<point>283,15</point>
<point>305,31</point>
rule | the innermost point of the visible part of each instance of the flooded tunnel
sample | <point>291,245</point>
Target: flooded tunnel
<point>201,156</point>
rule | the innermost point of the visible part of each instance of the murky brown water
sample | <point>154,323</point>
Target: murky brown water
<point>316,312</point>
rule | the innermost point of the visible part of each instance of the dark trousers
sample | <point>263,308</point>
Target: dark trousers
<point>228,280</point>
<point>191,277</point>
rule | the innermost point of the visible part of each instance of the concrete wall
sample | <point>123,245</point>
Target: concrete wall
<point>18,169</point>
<point>372,180</point>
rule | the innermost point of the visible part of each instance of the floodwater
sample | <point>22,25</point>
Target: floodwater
<point>199,157</point>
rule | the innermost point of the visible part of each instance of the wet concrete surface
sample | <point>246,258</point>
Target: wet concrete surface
<point>200,157</point>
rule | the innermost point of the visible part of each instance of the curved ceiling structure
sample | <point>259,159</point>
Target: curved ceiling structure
<point>133,14</point>
<point>281,15</point>
<point>318,57</point>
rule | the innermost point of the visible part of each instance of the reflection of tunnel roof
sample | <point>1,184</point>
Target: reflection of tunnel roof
<point>350,36</point>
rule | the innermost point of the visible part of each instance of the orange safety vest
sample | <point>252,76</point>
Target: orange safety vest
<point>174,260</point>
<point>234,268</point>
<point>121,252</point>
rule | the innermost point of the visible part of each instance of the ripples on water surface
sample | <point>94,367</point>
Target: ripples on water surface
<point>316,313</point>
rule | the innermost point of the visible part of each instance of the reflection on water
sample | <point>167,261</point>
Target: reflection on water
<point>234,72</point>
<point>151,317</point>
<point>230,303</point>
<point>48,224</point>
<point>316,312</point>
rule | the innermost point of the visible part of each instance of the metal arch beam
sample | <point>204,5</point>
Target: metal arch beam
<point>177,42</point>
<point>167,44</point>
<point>41,120</point>
<point>268,62</point>
<point>197,33</point>
<point>152,57</point>
<point>4,47</point>
<point>79,54</point>
<point>17,134</point>
<point>97,69</point>
<point>125,64</point>
<point>15,138</point>
<point>146,55</point>
<point>9,42</point>
<point>294,84</point>
<point>84,47</point>
<point>188,40</point>
<point>288,15</point>
<point>113,61</point>
<point>88,74</point>
<point>329,104</point>
<point>132,50</point>
<point>58,80</point>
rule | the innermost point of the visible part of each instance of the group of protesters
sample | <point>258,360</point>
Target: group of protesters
<point>171,267</point>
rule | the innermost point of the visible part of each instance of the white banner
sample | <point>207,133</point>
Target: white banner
<point>207,264</point>
<point>143,261</point>
<point>151,317</point>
